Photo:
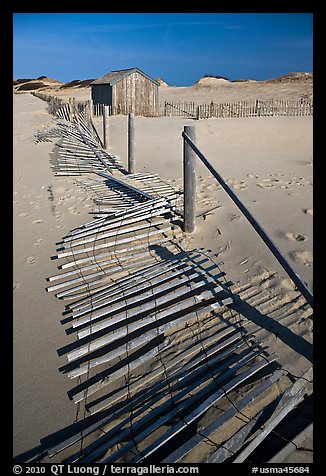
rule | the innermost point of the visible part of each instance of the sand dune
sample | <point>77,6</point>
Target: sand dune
<point>297,77</point>
<point>211,82</point>
<point>208,89</point>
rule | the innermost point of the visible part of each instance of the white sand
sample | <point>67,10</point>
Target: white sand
<point>41,405</point>
<point>267,160</point>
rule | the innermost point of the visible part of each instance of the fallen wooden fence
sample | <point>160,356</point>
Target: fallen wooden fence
<point>66,107</point>
<point>154,348</point>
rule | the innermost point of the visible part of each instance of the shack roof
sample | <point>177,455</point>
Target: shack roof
<point>114,76</point>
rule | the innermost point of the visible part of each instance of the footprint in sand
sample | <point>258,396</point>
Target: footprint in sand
<point>38,242</point>
<point>37,222</point>
<point>15,286</point>
<point>74,210</point>
<point>210,187</point>
<point>15,202</point>
<point>252,176</point>
<point>294,236</point>
<point>302,257</point>
<point>61,200</point>
<point>30,260</point>
<point>266,183</point>
<point>233,217</point>
<point>238,184</point>
<point>308,211</point>
<point>23,215</point>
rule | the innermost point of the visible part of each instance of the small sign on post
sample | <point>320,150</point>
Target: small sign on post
<point>131,142</point>
<point>189,181</point>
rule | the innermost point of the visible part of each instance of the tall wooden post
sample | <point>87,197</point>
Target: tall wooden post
<point>189,181</point>
<point>105,126</point>
<point>131,142</point>
<point>90,108</point>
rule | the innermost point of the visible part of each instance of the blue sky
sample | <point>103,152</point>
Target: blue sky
<point>178,47</point>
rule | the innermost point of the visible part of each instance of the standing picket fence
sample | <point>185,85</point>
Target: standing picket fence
<point>258,108</point>
<point>188,109</point>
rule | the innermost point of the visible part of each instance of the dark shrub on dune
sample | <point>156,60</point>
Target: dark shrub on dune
<point>216,76</point>
<point>85,83</point>
<point>71,84</point>
<point>23,80</point>
<point>30,86</point>
<point>77,83</point>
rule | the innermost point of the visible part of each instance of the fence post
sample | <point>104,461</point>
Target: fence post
<point>105,126</point>
<point>70,105</point>
<point>90,108</point>
<point>131,142</point>
<point>189,181</point>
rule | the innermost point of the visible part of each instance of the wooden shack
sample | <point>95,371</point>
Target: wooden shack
<point>126,90</point>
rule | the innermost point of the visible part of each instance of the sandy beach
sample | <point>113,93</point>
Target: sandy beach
<point>267,160</point>
<point>43,209</point>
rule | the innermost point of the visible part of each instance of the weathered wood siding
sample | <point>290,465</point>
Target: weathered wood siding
<point>136,93</point>
<point>102,94</point>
